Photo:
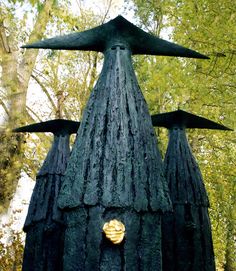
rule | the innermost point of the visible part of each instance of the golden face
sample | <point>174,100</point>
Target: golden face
<point>114,231</point>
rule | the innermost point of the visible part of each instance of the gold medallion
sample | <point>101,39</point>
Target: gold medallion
<point>114,231</point>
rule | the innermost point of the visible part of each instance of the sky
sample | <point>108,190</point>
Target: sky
<point>117,7</point>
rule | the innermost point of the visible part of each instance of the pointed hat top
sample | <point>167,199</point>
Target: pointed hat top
<point>183,119</point>
<point>115,32</point>
<point>57,126</point>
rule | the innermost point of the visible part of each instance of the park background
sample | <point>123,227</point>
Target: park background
<point>42,85</point>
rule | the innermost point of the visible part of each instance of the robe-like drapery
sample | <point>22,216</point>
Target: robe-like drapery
<point>186,233</point>
<point>115,171</point>
<point>44,225</point>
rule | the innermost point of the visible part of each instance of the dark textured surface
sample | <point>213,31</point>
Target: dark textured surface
<point>56,126</point>
<point>186,233</point>
<point>115,161</point>
<point>182,172</point>
<point>48,182</point>
<point>44,225</point>
<point>115,172</point>
<point>182,119</point>
<point>43,248</point>
<point>86,247</point>
<point>116,31</point>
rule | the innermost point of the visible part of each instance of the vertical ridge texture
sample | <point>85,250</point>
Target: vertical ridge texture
<point>44,225</point>
<point>186,233</point>
<point>115,172</point>
<point>115,160</point>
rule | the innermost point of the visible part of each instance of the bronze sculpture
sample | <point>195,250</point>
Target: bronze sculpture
<point>186,233</point>
<point>45,225</point>
<point>115,170</point>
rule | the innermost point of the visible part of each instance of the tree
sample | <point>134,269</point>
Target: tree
<point>11,252</point>
<point>15,76</point>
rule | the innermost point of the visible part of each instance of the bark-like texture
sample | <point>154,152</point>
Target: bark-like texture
<point>115,172</point>
<point>44,225</point>
<point>86,247</point>
<point>187,241</point>
<point>115,161</point>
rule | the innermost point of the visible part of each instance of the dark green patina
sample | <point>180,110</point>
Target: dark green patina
<point>44,225</point>
<point>116,32</point>
<point>115,169</point>
<point>186,233</point>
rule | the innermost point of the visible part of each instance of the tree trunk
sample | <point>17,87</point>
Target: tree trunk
<point>15,80</point>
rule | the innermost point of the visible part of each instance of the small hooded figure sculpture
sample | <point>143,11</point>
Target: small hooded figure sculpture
<point>186,233</point>
<point>44,225</point>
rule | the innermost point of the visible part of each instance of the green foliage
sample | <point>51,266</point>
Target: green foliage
<point>8,160</point>
<point>11,250</point>
<point>66,77</point>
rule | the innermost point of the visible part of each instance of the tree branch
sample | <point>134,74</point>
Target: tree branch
<point>44,89</point>
<point>4,107</point>
<point>33,113</point>
<point>106,12</point>
<point>3,39</point>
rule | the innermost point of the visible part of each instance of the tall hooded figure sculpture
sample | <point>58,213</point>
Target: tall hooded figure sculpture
<point>44,225</point>
<point>114,190</point>
<point>186,233</point>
